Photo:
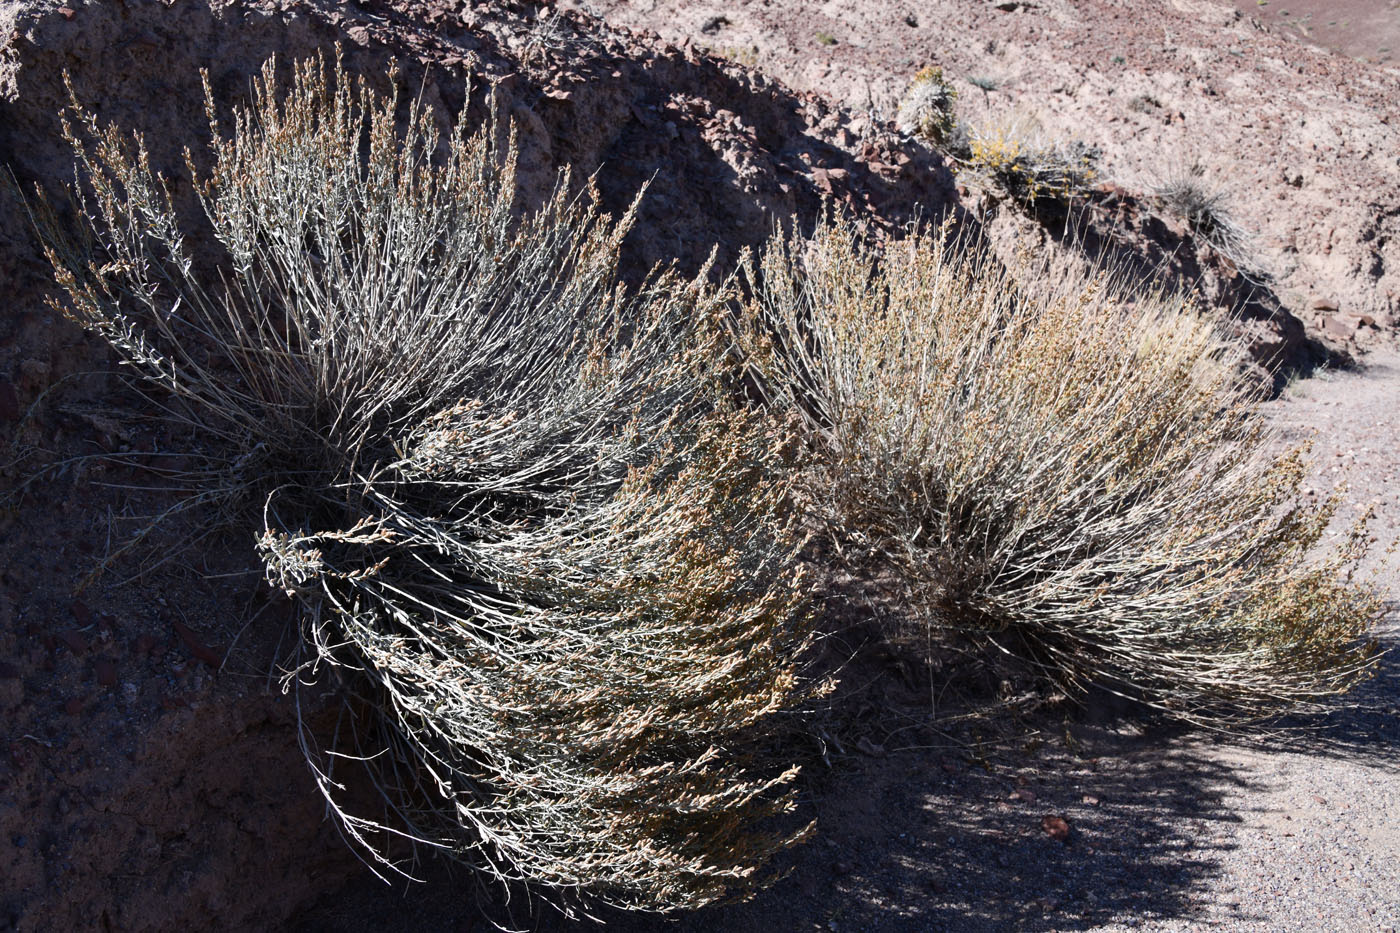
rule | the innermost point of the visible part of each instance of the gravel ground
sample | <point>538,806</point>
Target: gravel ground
<point>1317,845</point>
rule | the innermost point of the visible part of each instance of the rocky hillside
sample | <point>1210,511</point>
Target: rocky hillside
<point>1303,141</point>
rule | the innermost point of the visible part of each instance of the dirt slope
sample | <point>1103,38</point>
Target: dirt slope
<point>1307,141</point>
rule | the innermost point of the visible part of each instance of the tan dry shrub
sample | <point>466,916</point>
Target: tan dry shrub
<point>1208,208</point>
<point>1017,158</point>
<point>524,524</point>
<point>1066,471</point>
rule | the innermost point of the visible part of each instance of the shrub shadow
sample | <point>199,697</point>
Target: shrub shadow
<point>935,825</point>
<point>1365,727</point>
<point>941,824</point>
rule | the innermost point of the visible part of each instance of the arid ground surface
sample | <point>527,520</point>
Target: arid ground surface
<point>1365,29</point>
<point>149,772</point>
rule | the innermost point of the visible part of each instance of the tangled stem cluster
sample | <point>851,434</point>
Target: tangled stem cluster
<point>523,520</point>
<point>1069,472</point>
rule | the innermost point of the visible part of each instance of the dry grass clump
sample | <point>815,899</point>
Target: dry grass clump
<point>1065,472</point>
<point>1016,157</point>
<point>927,109</point>
<point>525,527</point>
<point>1208,210</point>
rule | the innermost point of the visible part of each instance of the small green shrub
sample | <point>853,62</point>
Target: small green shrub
<point>1063,471</point>
<point>927,108</point>
<point>526,527</point>
<point>746,55</point>
<point>984,83</point>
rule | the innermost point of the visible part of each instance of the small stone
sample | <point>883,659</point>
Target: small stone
<point>105,672</point>
<point>870,748</point>
<point>73,707</point>
<point>198,648</point>
<point>1333,326</point>
<point>33,373</point>
<point>66,12</point>
<point>1325,304</point>
<point>1057,827</point>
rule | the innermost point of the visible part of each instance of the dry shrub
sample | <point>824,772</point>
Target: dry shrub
<point>525,527</point>
<point>927,108</point>
<point>1067,472</point>
<point>1016,157</point>
<point>1209,212</point>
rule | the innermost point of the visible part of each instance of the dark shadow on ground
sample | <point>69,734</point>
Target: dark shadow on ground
<point>937,826</point>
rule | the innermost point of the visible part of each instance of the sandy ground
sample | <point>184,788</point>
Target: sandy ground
<point>1364,29</point>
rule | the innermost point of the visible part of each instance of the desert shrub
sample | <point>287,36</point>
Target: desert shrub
<point>927,108</point>
<point>1016,158</point>
<point>527,531</point>
<point>1069,473</point>
<point>1209,213</point>
<point>984,83</point>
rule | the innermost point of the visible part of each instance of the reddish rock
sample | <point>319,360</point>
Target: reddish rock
<point>198,648</point>
<point>1336,328</point>
<point>1057,827</point>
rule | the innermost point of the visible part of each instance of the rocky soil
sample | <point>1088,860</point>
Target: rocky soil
<point>150,777</point>
<point>1306,142</point>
